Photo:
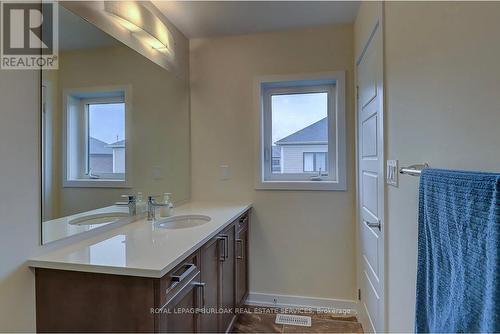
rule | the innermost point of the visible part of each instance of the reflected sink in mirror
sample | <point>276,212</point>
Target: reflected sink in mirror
<point>183,221</point>
<point>98,219</point>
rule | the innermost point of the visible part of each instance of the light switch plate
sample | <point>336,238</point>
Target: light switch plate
<point>392,173</point>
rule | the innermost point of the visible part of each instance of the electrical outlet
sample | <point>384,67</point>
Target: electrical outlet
<point>157,173</point>
<point>225,172</point>
<point>392,173</point>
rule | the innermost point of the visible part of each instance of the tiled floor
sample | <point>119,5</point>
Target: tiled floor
<point>262,320</point>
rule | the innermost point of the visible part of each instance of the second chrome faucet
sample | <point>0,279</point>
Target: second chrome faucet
<point>152,205</point>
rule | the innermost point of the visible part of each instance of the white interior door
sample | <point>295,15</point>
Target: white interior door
<point>371,183</point>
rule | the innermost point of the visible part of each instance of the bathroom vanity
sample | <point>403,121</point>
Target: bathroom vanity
<point>143,278</point>
<point>115,130</point>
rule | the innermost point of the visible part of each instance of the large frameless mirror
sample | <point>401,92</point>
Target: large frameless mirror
<point>113,123</point>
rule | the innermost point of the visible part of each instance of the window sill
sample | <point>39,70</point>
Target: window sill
<point>301,185</point>
<point>96,183</point>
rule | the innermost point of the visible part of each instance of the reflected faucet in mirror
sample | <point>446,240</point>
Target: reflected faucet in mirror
<point>131,203</point>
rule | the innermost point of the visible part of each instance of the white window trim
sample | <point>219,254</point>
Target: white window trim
<point>83,182</point>
<point>337,133</point>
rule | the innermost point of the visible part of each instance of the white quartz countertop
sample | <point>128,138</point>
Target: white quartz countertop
<point>59,228</point>
<point>142,248</point>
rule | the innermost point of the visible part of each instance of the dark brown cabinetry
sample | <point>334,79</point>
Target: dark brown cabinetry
<point>218,273</point>
<point>227,283</point>
<point>210,258</point>
<point>213,278</point>
<point>241,252</point>
<point>184,292</point>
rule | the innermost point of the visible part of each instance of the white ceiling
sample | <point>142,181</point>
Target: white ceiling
<point>219,18</point>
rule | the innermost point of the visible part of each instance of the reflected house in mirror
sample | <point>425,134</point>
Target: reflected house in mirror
<point>112,116</point>
<point>106,158</point>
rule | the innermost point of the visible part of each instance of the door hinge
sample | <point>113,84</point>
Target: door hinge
<point>359,294</point>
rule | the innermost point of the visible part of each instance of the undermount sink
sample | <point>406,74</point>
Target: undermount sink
<point>183,221</point>
<point>98,219</point>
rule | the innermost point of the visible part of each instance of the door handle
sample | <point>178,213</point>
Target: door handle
<point>374,225</point>
<point>225,237</point>
<point>222,249</point>
<point>241,243</point>
<point>202,286</point>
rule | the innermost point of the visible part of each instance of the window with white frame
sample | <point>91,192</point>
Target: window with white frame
<point>96,141</point>
<point>303,133</point>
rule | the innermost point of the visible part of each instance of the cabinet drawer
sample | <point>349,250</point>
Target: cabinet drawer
<point>170,282</point>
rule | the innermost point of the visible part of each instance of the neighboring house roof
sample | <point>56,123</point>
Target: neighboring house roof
<point>314,133</point>
<point>118,144</point>
<point>276,152</point>
<point>97,146</point>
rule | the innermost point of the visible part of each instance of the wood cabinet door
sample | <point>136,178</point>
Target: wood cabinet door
<point>241,267</point>
<point>228,279</point>
<point>179,314</point>
<point>210,275</point>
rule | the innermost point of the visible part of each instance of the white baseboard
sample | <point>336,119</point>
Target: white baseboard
<point>342,306</point>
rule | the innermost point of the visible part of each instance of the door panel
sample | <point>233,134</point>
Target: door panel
<point>210,276</point>
<point>370,192</point>
<point>369,244</point>
<point>369,131</point>
<point>372,301</point>
<point>185,296</point>
<point>228,291</point>
<point>241,267</point>
<point>371,182</point>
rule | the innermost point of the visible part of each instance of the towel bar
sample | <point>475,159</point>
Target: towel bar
<point>413,170</point>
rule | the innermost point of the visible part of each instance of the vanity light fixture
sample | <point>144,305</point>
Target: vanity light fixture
<point>141,22</point>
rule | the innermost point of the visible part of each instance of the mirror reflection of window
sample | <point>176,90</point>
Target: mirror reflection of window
<point>95,136</point>
<point>106,140</point>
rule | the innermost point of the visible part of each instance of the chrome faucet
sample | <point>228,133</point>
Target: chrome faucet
<point>131,203</point>
<point>152,205</point>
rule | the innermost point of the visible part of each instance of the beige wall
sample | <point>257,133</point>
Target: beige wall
<point>159,123</point>
<point>302,242</point>
<point>442,107</point>
<point>19,197</point>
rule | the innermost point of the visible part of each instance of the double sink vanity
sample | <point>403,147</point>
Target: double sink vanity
<point>115,122</point>
<point>187,273</point>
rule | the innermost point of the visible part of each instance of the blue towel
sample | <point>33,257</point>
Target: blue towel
<point>458,274</point>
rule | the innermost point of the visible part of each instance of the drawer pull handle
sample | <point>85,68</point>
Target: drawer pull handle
<point>222,248</point>
<point>202,286</point>
<point>240,242</point>
<point>177,279</point>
